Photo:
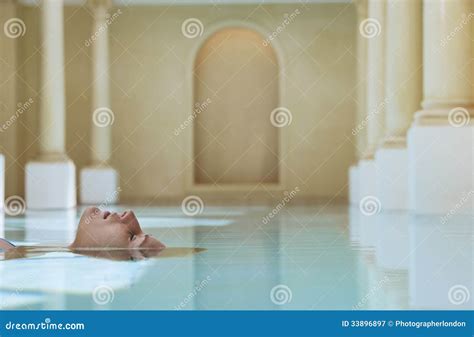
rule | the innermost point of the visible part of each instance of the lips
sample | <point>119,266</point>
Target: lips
<point>106,214</point>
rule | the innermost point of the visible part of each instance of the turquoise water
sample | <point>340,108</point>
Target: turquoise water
<point>306,257</point>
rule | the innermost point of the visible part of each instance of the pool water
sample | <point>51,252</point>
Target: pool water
<point>316,257</point>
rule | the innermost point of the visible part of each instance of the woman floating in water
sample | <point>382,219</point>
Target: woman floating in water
<point>103,234</point>
<point>103,229</point>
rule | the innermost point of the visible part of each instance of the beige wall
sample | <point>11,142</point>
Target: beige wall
<point>151,93</point>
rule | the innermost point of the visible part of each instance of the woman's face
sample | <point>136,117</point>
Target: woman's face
<point>103,229</point>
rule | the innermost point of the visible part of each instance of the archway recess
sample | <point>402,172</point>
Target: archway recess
<point>236,87</point>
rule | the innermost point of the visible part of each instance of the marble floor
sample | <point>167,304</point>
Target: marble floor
<point>315,257</point>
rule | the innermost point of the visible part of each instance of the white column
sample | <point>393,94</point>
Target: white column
<point>403,72</point>
<point>373,29</point>
<point>52,117</point>
<point>403,94</point>
<point>360,134</point>
<point>362,45</point>
<point>447,56</point>
<point>440,141</point>
<point>99,181</point>
<point>100,92</point>
<point>12,33</point>
<point>376,76</point>
<point>50,180</point>
<point>2,184</point>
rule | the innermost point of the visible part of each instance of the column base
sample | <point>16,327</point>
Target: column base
<point>99,185</point>
<point>354,185</point>
<point>441,169</point>
<point>367,173</point>
<point>50,185</point>
<point>392,177</point>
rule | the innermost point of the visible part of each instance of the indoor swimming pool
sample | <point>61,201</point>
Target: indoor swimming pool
<point>317,257</point>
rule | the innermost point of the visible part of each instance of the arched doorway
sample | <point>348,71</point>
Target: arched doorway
<point>235,90</point>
